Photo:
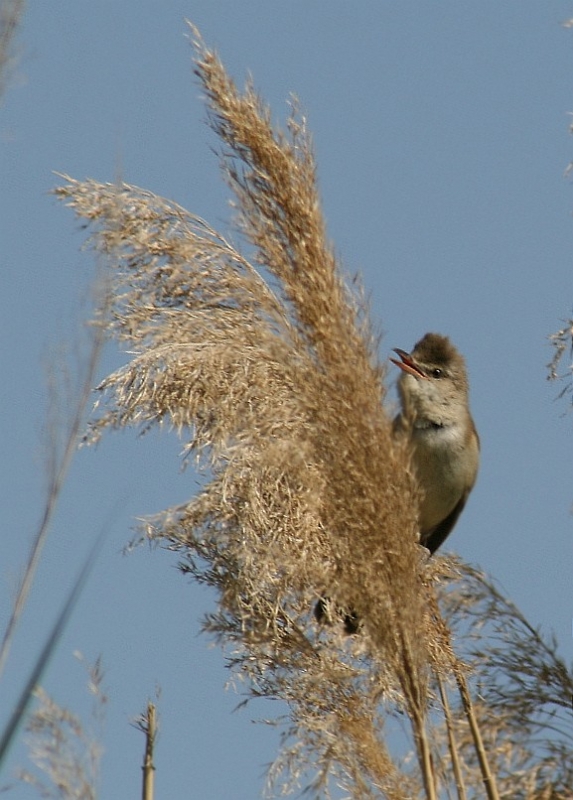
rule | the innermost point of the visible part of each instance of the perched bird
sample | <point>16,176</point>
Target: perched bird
<point>435,417</point>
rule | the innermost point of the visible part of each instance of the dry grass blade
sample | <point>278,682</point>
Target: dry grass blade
<point>8,734</point>
<point>62,444</point>
<point>562,341</point>
<point>11,12</point>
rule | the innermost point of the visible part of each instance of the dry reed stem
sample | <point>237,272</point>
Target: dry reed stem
<point>480,749</point>
<point>452,744</point>
<point>148,725</point>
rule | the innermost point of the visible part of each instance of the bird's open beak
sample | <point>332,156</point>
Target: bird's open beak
<point>407,364</point>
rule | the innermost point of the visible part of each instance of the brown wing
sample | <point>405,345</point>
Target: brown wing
<point>436,536</point>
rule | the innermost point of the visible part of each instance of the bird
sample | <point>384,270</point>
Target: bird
<point>435,417</point>
<point>444,444</point>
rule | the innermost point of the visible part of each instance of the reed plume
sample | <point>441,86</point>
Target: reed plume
<point>262,358</point>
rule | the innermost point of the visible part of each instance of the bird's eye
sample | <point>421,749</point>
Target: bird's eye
<point>437,373</point>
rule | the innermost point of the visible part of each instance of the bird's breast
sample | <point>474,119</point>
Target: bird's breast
<point>446,466</point>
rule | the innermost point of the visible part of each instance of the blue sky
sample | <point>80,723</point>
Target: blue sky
<point>441,135</point>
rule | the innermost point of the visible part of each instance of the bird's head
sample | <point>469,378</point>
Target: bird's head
<point>433,386</point>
